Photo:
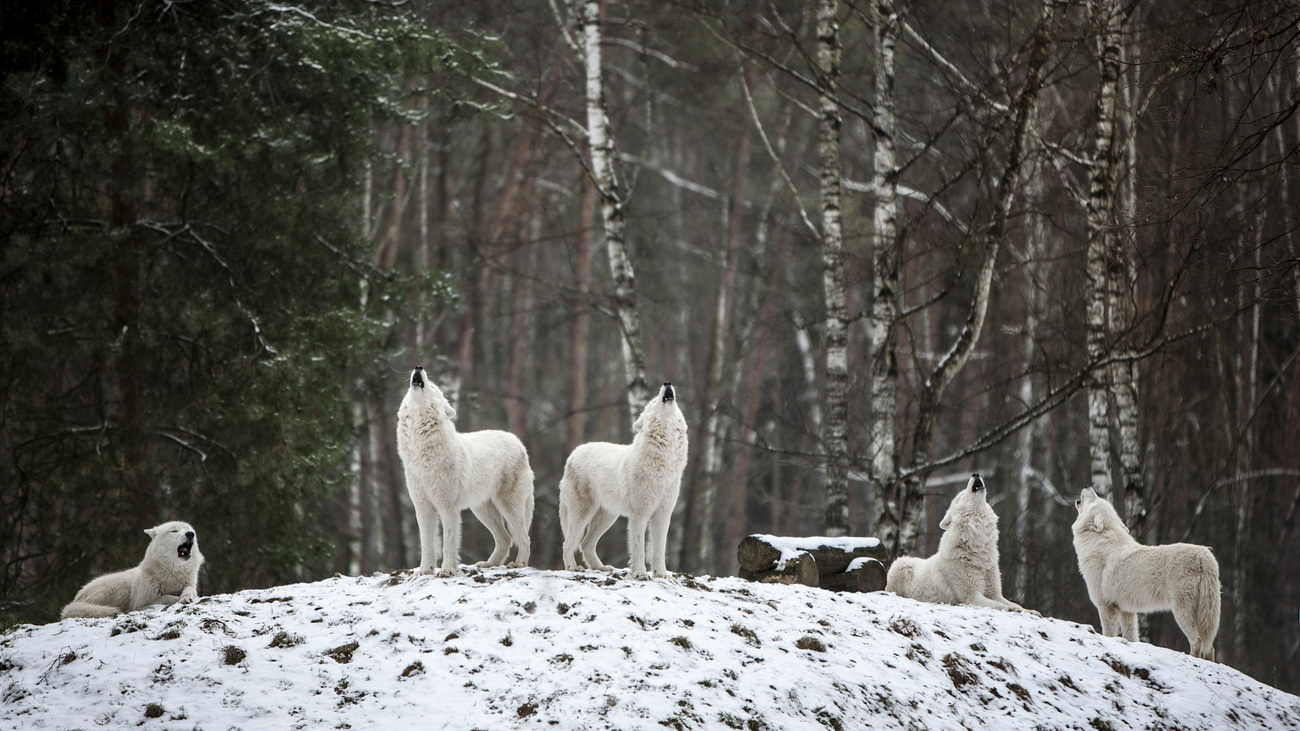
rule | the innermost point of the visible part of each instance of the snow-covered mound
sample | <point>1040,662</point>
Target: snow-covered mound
<point>522,649</point>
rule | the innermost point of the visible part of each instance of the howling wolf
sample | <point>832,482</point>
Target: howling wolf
<point>965,570</point>
<point>446,472</point>
<point>168,574</point>
<point>640,480</point>
<point>1126,578</point>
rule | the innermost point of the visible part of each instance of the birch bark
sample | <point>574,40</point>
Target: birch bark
<point>1101,261</point>
<point>835,325</point>
<point>612,213</point>
<point>882,444</point>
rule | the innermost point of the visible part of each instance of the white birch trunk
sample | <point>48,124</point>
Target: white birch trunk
<point>1106,18</point>
<point>1124,376</point>
<point>612,214</point>
<point>835,326</point>
<point>882,443</point>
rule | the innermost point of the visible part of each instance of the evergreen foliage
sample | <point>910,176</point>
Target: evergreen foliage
<point>183,277</point>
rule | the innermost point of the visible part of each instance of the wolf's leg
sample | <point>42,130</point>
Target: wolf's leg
<point>596,527</point>
<point>427,519</point>
<point>490,515</point>
<point>450,518</point>
<point>517,507</point>
<point>166,600</point>
<point>659,542</point>
<point>636,535</point>
<point>1128,622</point>
<point>1110,623</point>
<point>575,517</point>
<point>979,600</point>
<point>1185,616</point>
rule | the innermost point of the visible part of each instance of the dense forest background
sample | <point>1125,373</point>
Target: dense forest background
<point>876,246</point>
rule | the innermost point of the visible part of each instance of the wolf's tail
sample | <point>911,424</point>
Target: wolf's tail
<point>1208,603</point>
<point>86,609</point>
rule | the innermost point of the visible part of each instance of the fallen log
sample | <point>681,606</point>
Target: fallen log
<point>839,564</point>
<point>863,575</point>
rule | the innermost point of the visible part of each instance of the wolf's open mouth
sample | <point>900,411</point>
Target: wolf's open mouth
<point>184,549</point>
<point>417,377</point>
<point>668,392</point>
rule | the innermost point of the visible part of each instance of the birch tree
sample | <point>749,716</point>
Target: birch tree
<point>886,24</point>
<point>1109,276</point>
<point>835,323</point>
<point>612,213</point>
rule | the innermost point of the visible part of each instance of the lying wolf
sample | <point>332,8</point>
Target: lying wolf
<point>1126,578</point>
<point>168,574</point>
<point>486,471</point>
<point>640,480</point>
<point>965,570</point>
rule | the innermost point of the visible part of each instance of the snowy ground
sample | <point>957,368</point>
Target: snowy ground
<point>546,649</point>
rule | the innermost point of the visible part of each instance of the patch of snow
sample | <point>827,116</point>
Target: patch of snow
<point>506,649</point>
<point>860,562</point>
<point>790,548</point>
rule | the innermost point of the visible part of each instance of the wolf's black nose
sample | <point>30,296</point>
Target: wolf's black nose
<point>419,368</point>
<point>668,392</point>
<point>189,534</point>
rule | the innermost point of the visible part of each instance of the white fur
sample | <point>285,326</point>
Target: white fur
<point>163,577</point>
<point>965,569</point>
<point>1125,578</point>
<point>640,480</point>
<point>446,472</point>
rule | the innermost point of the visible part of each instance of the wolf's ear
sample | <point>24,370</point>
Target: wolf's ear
<point>150,532</point>
<point>636,425</point>
<point>1096,524</point>
<point>943,524</point>
<point>450,412</point>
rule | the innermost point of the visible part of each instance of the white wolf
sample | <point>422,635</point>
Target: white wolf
<point>640,480</point>
<point>168,574</point>
<point>486,471</point>
<point>1126,578</point>
<point>965,569</point>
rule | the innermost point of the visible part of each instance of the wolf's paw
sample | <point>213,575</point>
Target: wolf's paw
<point>663,574</point>
<point>603,567</point>
<point>641,576</point>
<point>445,573</point>
<point>516,565</point>
<point>487,564</point>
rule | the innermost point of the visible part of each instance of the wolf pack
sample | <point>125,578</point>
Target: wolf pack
<point>488,473</point>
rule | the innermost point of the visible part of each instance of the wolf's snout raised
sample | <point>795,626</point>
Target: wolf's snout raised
<point>977,484</point>
<point>417,377</point>
<point>668,392</point>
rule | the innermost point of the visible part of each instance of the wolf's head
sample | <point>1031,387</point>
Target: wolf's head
<point>662,409</point>
<point>424,395</point>
<point>1095,514</point>
<point>969,500</point>
<point>174,541</point>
